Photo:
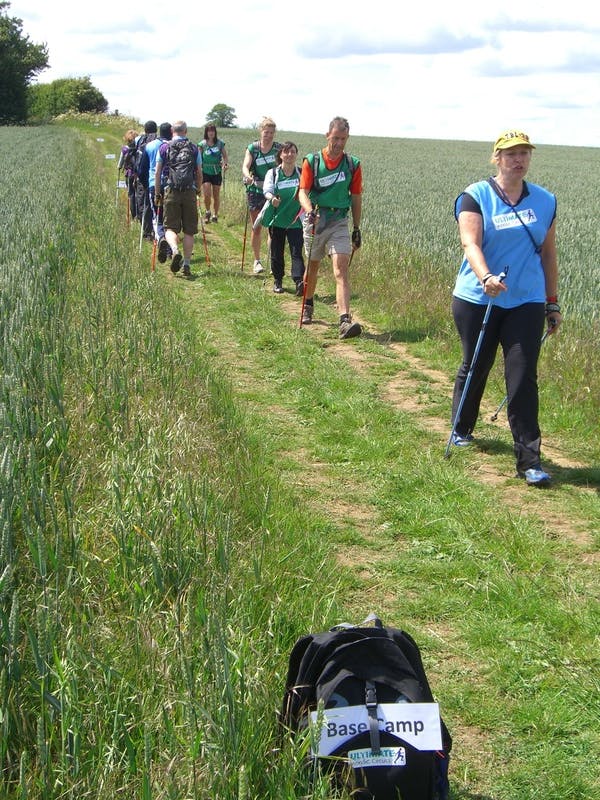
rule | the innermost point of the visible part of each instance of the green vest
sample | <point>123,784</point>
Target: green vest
<point>331,188</point>
<point>286,188</point>
<point>211,156</point>
<point>261,163</point>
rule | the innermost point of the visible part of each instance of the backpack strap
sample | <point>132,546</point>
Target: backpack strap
<point>315,187</point>
<point>371,704</point>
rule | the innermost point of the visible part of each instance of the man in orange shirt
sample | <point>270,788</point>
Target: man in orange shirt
<point>331,187</point>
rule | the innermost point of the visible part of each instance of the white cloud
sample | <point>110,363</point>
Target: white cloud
<point>438,70</point>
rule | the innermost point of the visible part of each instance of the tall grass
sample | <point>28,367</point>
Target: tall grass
<point>130,498</point>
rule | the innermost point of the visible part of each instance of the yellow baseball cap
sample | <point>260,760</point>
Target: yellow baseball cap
<point>512,139</point>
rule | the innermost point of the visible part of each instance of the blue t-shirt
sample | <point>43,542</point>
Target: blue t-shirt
<point>506,243</point>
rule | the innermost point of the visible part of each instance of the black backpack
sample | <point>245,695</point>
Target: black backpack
<point>181,160</point>
<point>140,162</point>
<point>337,681</point>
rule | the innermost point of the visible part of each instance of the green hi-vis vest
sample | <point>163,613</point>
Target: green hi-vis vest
<point>286,188</point>
<point>261,163</point>
<point>212,156</point>
<point>331,188</point>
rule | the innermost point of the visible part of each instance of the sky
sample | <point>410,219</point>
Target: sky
<point>463,70</point>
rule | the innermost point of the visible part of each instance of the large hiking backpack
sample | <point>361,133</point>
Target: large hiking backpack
<point>181,161</point>
<point>364,692</point>
<point>140,163</point>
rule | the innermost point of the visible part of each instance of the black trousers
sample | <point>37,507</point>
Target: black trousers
<point>295,239</point>
<point>518,331</point>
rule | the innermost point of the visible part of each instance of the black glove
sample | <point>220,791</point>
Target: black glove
<point>356,238</point>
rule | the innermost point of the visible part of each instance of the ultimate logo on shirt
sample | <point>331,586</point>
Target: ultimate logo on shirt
<point>513,220</point>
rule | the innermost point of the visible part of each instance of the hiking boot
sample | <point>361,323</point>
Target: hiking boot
<point>186,270</point>
<point>258,267</point>
<point>277,287</point>
<point>207,217</point>
<point>462,441</point>
<point>535,476</point>
<point>214,218</point>
<point>349,329</point>
<point>163,250</point>
<point>176,262</point>
<point>307,314</point>
<point>299,288</point>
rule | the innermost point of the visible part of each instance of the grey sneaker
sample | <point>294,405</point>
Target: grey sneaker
<point>176,262</point>
<point>462,441</point>
<point>258,267</point>
<point>299,288</point>
<point>307,314</point>
<point>535,476</point>
<point>186,270</point>
<point>349,329</point>
<point>277,287</point>
<point>163,250</point>
<point>214,218</point>
<point>207,217</point>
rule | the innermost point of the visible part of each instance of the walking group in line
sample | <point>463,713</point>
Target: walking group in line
<point>506,290</point>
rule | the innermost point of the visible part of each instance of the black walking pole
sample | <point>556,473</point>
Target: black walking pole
<point>472,367</point>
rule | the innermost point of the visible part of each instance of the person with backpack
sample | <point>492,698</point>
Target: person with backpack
<point>165,134</point>
<point>214,162</point>
<point>125,163</point>
<point>259,158</point>
<point>140,167</point>
<point>184,164</point>
<point>330,189</point>
<point>282,217</point>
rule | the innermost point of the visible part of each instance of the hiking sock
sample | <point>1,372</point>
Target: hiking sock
<point>344,318</point>
<point>309,301</point>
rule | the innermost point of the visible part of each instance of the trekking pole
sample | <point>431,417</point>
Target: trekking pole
<point>307,270</point>
<point>245,232</point>
<point>472,366</point>
<point>118,187</point>
<point>153,262</point>
<point>494,416</point>
<point>143,222</point>
<point>204,239</point>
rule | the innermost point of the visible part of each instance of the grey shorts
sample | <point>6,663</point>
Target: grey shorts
<point>333,239</point>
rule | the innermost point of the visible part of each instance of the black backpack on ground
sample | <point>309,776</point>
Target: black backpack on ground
<point>181,161</point>
<point>337,680</point>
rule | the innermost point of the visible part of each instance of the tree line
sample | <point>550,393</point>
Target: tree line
<point>21,60</point>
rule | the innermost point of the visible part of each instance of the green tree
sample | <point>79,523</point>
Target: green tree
<point>222,116</point>
<point>20,61</point>
<point>47,100</point>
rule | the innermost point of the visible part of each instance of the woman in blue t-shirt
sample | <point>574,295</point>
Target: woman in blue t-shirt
<point>506,225</point>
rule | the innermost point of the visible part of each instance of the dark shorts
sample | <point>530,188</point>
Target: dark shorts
<point>181,211</point>
<point>256,200</point>
<point>215,180</point>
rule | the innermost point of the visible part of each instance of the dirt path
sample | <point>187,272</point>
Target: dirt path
<point>408,390</point>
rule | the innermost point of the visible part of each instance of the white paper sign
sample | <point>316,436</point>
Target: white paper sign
<point>110,155</point>
<point>99,139</point>
<point>415,723</point>
<point>121,184</point>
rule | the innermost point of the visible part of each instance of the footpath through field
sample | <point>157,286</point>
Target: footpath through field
<point>356,432</point>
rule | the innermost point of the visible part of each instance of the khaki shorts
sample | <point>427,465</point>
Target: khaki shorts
<point>333,239</point>
<point>181,211</point>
